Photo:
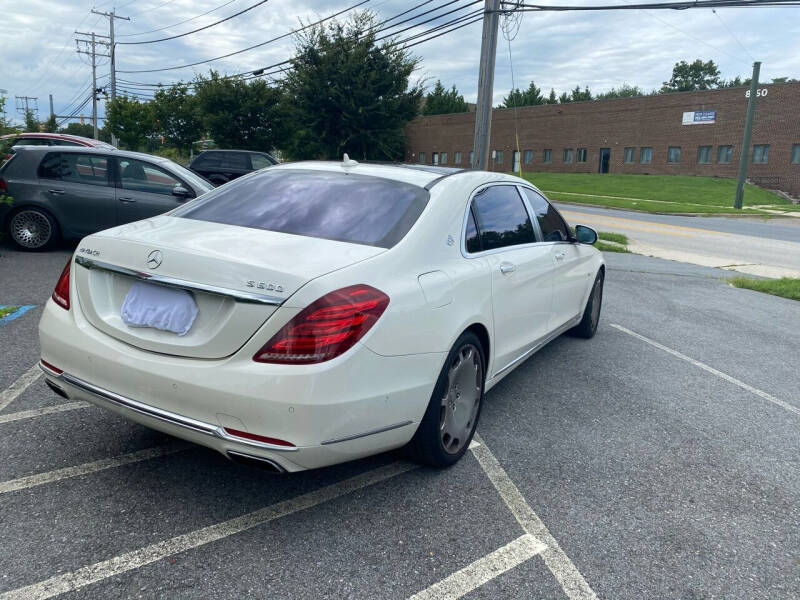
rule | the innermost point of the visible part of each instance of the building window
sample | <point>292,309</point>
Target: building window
<point>796,154</point>
<point>442,158</point>
<point>704,155</point>
<point>422,158</point>
<point>724,154</point>
<point>630,152</point>
<point>435,157</point>
<point>498,157</point>
<point>761,154</point>
<point>581,155</point>
<point>674,154</point>
<point>547,156</point>
<point>646,156</point>
<point>568,155</point>
<point>456,158</point>
<point>527,156</point>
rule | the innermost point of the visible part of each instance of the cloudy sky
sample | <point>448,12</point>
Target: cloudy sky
<point>559,50</point>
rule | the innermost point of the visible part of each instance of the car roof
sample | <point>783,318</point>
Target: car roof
<point>397,172</point>
<point>229,150</point>
<point>92,150</point>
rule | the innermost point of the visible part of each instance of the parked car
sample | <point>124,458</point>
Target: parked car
<point>75,191</point>
<point>7,142</point>
<point>222,166</point>
<point>314,313</point>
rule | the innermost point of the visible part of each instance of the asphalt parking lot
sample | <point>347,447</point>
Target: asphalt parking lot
<point>660,459</point>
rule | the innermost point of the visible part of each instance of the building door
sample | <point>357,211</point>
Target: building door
<point>605,158</point>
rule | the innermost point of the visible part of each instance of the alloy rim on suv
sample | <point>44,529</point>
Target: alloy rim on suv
<point>31,229</point>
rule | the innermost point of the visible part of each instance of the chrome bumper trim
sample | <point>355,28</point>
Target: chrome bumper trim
<point>366,433</point>
<point>238,295</point>
<point>162,415</point>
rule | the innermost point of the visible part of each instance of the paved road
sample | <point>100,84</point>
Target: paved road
<point>769,248</point>
<point>643,473</point>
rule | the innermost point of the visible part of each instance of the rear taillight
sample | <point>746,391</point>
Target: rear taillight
<point>3,186</point>
<point>326,328</point>
<point>61,293</point>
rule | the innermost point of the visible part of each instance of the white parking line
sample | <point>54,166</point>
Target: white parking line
<point>557,561</point>
<point>482,570</point>
<point>67,582</point>
<point>712,370</point>
<point>38,412</point>
<point>30,481</point>
<point>8,395</point>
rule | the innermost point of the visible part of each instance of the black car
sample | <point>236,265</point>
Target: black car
<point>221,166</point>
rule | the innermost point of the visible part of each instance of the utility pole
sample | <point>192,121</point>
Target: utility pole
<point>23,105</point>
<point>748,134</point>
<point>92,43</point>
<point>483,110</point>
<point>52,112</point>
<point>111,16</point>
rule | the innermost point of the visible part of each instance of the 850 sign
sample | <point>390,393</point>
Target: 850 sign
<point>759,93</point>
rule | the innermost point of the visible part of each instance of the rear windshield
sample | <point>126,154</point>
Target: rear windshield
<point>322,204</point>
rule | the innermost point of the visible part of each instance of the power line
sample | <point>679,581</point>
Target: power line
<point>147,10</point>
<point>178,23</point>
<point>241,12</point>
<point>733,35</point>
<point>681,5</point>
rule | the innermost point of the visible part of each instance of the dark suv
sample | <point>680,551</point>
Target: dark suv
<point>221,166</point>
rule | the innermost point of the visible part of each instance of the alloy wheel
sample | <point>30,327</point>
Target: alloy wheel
<point>31,229</point>
<point>461,400</point>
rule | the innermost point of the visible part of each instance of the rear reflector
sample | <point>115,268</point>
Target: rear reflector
<point>51,367</point>
<point>326,328</point>
<point>258,438</point>
<point>61,293</point>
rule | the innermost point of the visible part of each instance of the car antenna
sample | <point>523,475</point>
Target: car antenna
<point>348,162</point>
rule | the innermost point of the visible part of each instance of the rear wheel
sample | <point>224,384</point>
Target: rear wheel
<point>449,423</point>
<point>33,229</point>
<point>591,314</point>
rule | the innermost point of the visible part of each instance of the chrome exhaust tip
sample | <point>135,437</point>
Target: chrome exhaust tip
<point>256,461</point>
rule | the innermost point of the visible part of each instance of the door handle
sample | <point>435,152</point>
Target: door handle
<point>560,255</point>
<point>127,199</point>
<point>507,267</point>
<point>56,192</point>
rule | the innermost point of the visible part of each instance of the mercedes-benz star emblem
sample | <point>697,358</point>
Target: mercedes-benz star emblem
<point>154,259</point>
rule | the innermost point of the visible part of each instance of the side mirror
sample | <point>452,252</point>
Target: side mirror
<point>181,192</point>
<point>585,235</point>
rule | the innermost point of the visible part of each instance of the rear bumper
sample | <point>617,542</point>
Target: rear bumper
<point>353,406</point>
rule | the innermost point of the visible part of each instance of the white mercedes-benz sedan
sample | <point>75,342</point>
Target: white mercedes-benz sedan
<point>313,313</point>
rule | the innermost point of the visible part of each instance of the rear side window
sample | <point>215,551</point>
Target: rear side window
<point>501,217</point>
<point>553,227</point>
<point>90,169</point>
<point>322,204</point>
<point>260,161</point>
<point>50,167</point>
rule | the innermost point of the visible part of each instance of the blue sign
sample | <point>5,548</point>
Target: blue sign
<point>699,117</point>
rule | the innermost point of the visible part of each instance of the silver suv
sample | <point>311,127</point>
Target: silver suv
<point>71,192</point>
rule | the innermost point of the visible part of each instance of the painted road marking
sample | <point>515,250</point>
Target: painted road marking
<point>38,412</point>
<point>74,580</point>
<point>482,570</point>
<point>712,370</point>
<point>16,314</point>
<point>571,580</point>
<point>8,395</point>
<point>23,483</point>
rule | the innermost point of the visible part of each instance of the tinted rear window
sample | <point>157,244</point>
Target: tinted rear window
<point>330,205</point>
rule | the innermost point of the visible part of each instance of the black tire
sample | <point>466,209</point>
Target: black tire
<point>430,444</point>
<point>33,229</point>
<point>591,317</point>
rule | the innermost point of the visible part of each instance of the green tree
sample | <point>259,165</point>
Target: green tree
<point>234,112</point>
<point>442,101</point>
<point>552,98</point>
<point>177,117</point>
<point>32,124</point>
<point>4,126</point>
<point>564,98</point>
<point>532,96</point>
<point>50,125</point>
<point>81,129</point>
<point>130,120</point>
<point>349,93</point>
<point>581,95</point>
<point>624,91</point>
<point>687,77</point>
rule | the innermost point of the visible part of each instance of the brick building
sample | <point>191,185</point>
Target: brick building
<point>688,133</point>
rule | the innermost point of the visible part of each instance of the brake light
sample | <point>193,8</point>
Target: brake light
<point>259,438</point>
<point>53,368</point>
<point>326,328</point>
<point>61,293</point>
<point>3,186</point>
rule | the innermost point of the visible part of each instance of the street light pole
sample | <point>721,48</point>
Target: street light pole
<point>748,135</point>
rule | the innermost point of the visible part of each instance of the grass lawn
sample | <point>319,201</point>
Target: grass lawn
<point>785,287</point>
<point>7,310</point>
<point>654,193</point>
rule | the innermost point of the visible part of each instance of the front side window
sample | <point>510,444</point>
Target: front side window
<point>502,219</point>
<point>207,160</point>
<point>630,152</point>
<point>139,176</point>
<point>704,155</point>
<point>457,158</point>
<point>547,156</point>
<point>75,168</point>
<point>234,160</point>
<point>724,154</point>
<point>443,158</point>
<point>581,155</point>
<point>761,154</point>
<point>568,153</point>
<point>359,209</point>
<point>259,161</point>
<point>646,156</point>
<point>796,154</point>
<point>553,227</point>
<point>527,156</point>
<point>674,154</point>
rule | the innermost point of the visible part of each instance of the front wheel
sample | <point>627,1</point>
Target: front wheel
<point>446,430</point>
<point>591,314</point>
<point>33,229</point>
